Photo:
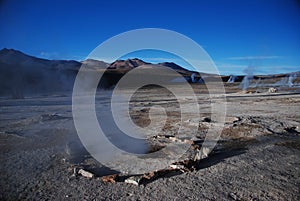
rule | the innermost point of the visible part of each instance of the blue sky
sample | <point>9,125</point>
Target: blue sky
<point>235,33</point>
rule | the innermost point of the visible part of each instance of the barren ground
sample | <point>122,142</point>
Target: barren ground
<point>257,157</point>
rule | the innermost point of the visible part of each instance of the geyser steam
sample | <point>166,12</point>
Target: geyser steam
<point>249,71</point>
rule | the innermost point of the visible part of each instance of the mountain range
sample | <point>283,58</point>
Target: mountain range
<point>21,73</point>
<point>24,74</point>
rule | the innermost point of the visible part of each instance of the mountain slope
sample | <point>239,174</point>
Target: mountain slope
<point>127,64</point>
<point>22,74</point>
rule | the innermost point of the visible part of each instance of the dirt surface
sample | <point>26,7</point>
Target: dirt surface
<point>256,158</point>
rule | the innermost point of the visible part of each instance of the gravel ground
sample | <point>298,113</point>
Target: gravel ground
<point>257,157</point>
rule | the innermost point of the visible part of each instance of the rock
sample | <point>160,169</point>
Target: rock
<point>173,139</point>
<point>149,175</point>
<point>203,153</point>
<point>232,119</point>
<point>49,117</point>
<point>272,90</point>
<point>177,167</point>
<point>206,119</point>
<point>85,173</point>
<point>293,129</point>
<point>74,172</point>
<point>186,141</point>
<point>163,136</point>
<point>233,196</point>
<point>133,180</point>
<point>110,178</point>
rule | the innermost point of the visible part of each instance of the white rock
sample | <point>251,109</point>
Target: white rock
<point>133,180</point>
<point>177,166</point>
<point>272,90</point>
<point>85,173</point>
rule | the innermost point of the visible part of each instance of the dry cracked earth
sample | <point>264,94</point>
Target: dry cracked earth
<point>256,157</point>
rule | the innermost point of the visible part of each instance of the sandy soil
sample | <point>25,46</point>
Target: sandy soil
<point>257,157</point>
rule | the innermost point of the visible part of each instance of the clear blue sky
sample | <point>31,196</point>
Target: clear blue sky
<point>262,33</point>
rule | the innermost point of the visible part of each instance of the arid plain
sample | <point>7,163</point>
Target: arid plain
<point>256,157</point>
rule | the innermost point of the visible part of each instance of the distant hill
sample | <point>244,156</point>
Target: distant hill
<point>22,74</point>
<point>127,64</point>
<point>17,58</point>
<point>133,63</point>
<point>95,64</point>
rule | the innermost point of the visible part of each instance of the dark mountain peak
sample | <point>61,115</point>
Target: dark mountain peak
<point>127,64</point>
<point>6,51</point>
<point>23,61</point>
<point>13,57</point>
